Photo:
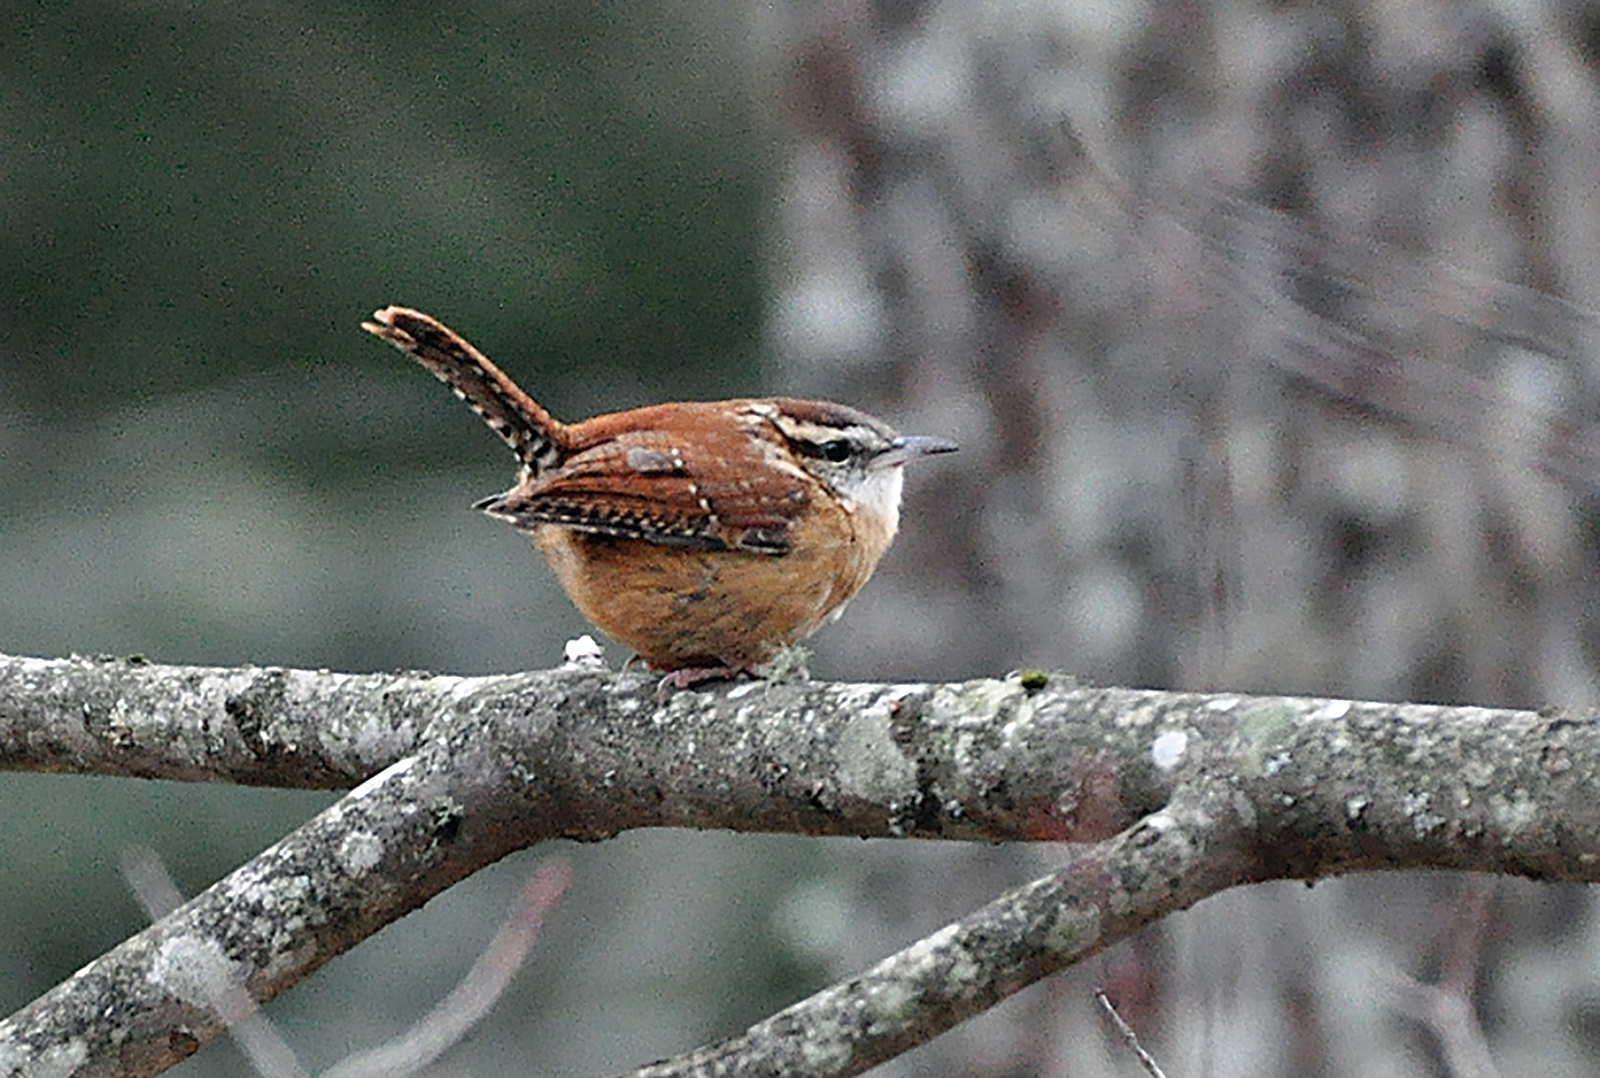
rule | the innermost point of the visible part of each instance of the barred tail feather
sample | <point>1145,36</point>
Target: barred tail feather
<point>531,432</point>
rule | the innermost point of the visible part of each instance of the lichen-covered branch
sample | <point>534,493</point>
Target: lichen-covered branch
<point>1181,795</point>
<point>251,725</point>
<point>1101,894</point>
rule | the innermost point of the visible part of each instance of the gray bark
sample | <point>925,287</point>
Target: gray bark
<point>1170,797</point>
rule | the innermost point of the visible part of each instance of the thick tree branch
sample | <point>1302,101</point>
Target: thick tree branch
<point>253,726</point>
<point>1224,789</point>
<point>1103,893</point>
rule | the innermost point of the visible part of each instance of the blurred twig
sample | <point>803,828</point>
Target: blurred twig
<point>477,992</point>
<point>407,1054</point>
<point>1129,1037</point>
<point>269,1054</point>
<point>1448,1008</point>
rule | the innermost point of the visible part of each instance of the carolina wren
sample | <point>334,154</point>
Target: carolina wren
<point>706,536</point>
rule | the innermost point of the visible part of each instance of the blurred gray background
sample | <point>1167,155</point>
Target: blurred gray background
<point>203,460</point>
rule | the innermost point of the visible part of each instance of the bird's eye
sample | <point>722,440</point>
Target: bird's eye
<point>837,450</point>
<point>834,450</point>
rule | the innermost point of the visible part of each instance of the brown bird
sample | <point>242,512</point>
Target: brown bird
<point>706,536</point>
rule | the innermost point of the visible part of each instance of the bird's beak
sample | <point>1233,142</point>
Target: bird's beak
<point>910,446</point>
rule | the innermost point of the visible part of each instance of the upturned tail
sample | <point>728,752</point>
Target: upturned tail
<point>531,432</point>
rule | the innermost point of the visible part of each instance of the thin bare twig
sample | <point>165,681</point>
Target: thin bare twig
<point>476,993</point>
<point>424,1042</point>
<point>258,1039</point>
<point>1447,1008</point>
<point>1129,1037</point>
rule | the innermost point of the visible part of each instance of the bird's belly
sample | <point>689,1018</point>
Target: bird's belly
<point>681,608</point>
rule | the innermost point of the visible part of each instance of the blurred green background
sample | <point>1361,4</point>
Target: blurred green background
<point>204,460</point>
<point>198,194</point>
<point>201,205</point>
